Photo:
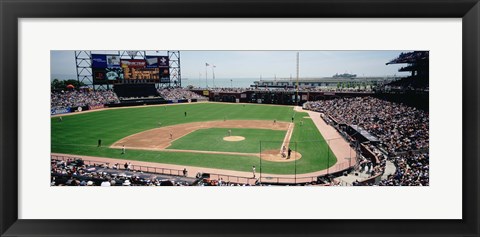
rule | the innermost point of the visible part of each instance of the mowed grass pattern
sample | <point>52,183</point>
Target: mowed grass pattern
<point>212,140</point>
<point>78,134</point>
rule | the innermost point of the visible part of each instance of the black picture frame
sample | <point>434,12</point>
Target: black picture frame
<point>12,10</point>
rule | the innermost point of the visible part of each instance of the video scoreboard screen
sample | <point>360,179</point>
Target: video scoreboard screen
<point>111,68</point>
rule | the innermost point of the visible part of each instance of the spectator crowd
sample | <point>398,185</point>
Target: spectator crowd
<point>228,90</point>
<point>179,94</point>
<point>74,172</point>
<point>412,170</point>
<point>403,133</point>
<point>64,99</point>
<point>400,128</point>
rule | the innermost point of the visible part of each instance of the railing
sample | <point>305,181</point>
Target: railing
<point>373,157</point>
<point>344,183</point>
<point>227,178</point>
<point>372,179</point>
<point>138,168</point>
<point>419,151</point>
<point>233,179</point>
<point>282,180</point>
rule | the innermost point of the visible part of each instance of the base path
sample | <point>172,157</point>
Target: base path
<point>288,137</point>
<point>161,138</point>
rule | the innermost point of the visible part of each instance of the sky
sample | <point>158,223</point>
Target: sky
<point>256,64</point>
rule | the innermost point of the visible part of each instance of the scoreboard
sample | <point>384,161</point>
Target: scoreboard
<point>108,68</point>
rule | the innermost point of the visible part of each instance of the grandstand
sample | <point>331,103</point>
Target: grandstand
<point>418,66</point>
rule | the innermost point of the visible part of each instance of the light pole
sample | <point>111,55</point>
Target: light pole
<point>295,163</point>
<point>328,157</point>
<point>349,162</point>
<point>298,71</point>
<point>213,75</point>
<point>199,79</point>
<point>260,176</point>
<point>206,77</point>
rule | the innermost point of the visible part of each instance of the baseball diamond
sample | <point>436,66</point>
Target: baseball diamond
<point>198,139</point>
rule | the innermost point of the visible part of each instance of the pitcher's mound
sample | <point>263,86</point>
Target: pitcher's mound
<point>233,138</point>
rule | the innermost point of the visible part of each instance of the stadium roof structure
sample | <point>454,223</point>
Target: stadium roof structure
<point>364,133</point>
<point>411,57</point>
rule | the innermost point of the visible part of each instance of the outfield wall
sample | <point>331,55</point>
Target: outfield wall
<point>277,97</point>
<point>414,99</point>
<point>140,102</point>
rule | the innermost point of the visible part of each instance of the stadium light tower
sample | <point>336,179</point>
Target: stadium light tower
<point>213,75</point>
<point>295,161</point>
<point>298,67</point>
<point>199,78</point>
<point>260,178</point>
<point>328,158</point>
<point>206,77</point>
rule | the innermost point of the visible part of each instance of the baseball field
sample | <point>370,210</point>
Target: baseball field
<point>211,135</point>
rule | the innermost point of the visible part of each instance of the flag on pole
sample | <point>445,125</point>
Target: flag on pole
<point>206,64</point>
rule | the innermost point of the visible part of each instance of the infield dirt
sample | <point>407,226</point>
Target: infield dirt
<point>162,137</point>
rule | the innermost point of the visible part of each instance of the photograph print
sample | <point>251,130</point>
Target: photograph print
<point>239,118</point>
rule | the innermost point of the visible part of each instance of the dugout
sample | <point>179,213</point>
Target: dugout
<point>361,134</point>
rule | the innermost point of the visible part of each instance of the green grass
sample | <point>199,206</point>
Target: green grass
<point>78,134</point>
<point>308,141</point>
<point>212,140</point>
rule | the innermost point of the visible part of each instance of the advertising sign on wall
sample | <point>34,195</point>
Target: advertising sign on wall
<point>114,73</point>
<point>99,73</point>
<point>99,61</point>
<point>105,61</point>
<point>113,61</point>
<point>133,63</point>
<point>164,72</point>
<point>60,111</point>
<point>157,61</point>
<point>93,107</point>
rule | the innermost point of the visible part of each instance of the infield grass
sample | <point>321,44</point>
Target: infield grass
<point>78,134</point>
<point>212,140</point>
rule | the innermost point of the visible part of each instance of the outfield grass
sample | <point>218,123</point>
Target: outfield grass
<point>212,140</point>
<point>78,134</point>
